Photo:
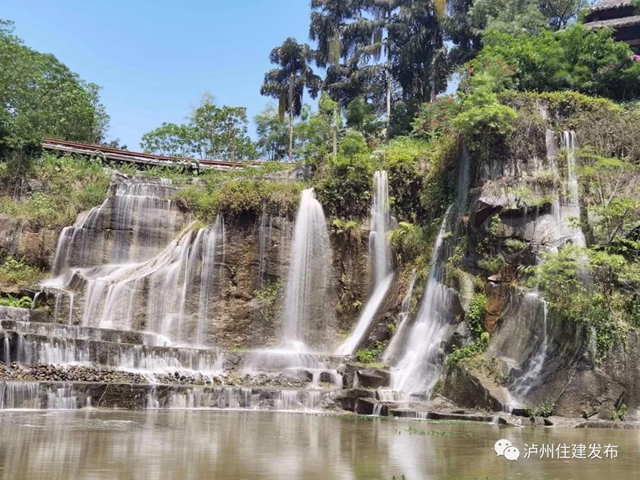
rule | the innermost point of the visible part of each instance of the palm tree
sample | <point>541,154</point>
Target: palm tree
<point>288,83</point>
<point>419,59</point>
<point>329,18</point>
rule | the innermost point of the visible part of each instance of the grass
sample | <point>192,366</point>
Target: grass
<point>68,186</point>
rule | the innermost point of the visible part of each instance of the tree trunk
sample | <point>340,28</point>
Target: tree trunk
<point>335,134</point>
<point>233,151</point>
<point>388,102</point>
<point>291,80</point>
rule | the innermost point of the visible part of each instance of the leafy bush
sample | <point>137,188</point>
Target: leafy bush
<point>407,162</point>
<point>576,58</point>
<point>369,356</point>
<point>435,119</point>
<point>16,273</point>
<point>344,187</point>
<point>14,302</point>
<point>237,197</point>
<point>477,313</point>
<point>470,351</point>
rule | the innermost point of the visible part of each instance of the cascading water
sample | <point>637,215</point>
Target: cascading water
<point>380,253</point>
<point>306,314</point>
<point>418,368</point>
<point>531,377</point>
<point>394,348</point>
<point>132,273</point>
<point>566,208</point>
<point>381,220</point>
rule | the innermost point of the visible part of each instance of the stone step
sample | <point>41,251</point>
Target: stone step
<point>83,333</point>
<point>30,349</point>
<point>74,395</point>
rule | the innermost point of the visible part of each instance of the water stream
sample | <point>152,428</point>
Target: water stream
<point>306,315</point>
<point>380,254</point>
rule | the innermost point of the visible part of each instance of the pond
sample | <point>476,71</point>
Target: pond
<point>184,445</point>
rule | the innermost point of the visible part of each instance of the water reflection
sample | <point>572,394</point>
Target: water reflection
<point>239,445</point>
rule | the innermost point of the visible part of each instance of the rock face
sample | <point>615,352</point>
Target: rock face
<point>472,389</point>
<point>623,366</point>
<point>139,225</point>
<point>25,239</point>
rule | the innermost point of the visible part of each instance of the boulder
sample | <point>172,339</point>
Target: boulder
<point>347,399</point>
<point>365,406</point>
<point>590,392</point>
<point>373,378</point>
<point>471,389</point>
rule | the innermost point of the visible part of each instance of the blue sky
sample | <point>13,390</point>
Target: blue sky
<point>155,59</point>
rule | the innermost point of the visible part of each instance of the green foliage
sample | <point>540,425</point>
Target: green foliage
<point>369,356</point>
<point>543,410</point>
<point>470,351</point>
<point>353,145</point>
<point>69,186</point>
<point>411,245</point>
<point>435,119</point>
<point>40,97</point>
<point>477,313</point>
<point>483,116</point>
<point>410,163</point>
<point>361,116</point>
<point>234,198</point>
<point>273,134</point>
<point>16,273</point>
<point>348,229</point>
<point>619,415</point>
<point>530,16</point>
<point>14,302</point>
<point>212,133</point>
<point>606,306</point>
<point>576,58</point>
<point>344,187</point>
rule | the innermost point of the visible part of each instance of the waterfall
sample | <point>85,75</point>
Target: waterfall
<point>379,248</point>
<point>566,208</point>
<point>380,253</point>
<point>133,274</point>
<point>531,376</point>
<point>418,368</point>
<point>395,345</point>
<point>306,311</point>
<point>364,323</point>
<point>134,223</point>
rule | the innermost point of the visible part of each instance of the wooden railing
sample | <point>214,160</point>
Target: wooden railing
<point>116,155</point>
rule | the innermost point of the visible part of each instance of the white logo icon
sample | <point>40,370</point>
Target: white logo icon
<point>505,448</point>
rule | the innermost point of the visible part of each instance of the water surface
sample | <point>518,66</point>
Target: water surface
<point>261,445</point>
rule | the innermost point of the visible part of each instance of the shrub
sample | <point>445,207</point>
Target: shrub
<point>477,313</point>
<point>369,356</point>
<point>435,119</point>
<point>344,187</point>
<point>16,273</point>
<point>14,302</point>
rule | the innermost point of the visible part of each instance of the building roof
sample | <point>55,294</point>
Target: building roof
<point>611,5</point>
<point>615,22</point>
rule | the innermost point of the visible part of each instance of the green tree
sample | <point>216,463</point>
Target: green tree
<point>575,58</point>
<point>169,139</point>
<point>221,132</point>
<point>40,97</point>
<point>289,82</point>
<point>273,134</point>
<point>212,132</point>
<point>530,16</point>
